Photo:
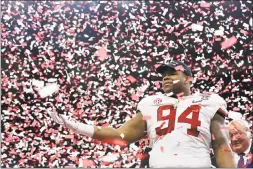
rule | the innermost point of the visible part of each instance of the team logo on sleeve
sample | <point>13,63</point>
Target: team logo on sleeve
<point>157,101</point>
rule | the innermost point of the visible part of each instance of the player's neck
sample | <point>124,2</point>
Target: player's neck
<point>186,93</point>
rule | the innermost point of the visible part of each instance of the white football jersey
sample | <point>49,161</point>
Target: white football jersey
<point>179,129</point>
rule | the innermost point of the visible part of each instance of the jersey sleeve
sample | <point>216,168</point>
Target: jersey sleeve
<point>220,105</point>
<point>141,106</point>
<point>144,105</point>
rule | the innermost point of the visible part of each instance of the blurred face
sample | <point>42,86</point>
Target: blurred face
<point>238,137</point>
<point>173,81</point>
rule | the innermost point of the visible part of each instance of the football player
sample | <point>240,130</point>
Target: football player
<point>182,127</point>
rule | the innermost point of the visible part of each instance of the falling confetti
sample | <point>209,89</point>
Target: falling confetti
<point>162,149</point>
<point>131,79</point>
<point>213,138</point>
<point>122,135</point>
<point>102,53</point>
<point>179,68</point>
<point>227,150</point>
<point>205,5</point>
<point>146,118</point>
<point>224,128</point>
<point>102,58</point>
<point>87,163</point>
<point>48,90</point>
<point>228,43</point>
<point>110,158</point>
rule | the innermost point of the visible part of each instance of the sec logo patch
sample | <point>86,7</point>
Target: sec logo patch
<point>157,101</point>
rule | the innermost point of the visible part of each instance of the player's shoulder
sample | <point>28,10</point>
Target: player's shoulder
<point>212,97</point>
<point>218,101</point>
<point>216,98</point>
<point>208,98</point>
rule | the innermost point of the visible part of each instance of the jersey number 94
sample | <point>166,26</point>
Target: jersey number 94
<point>194,121</point>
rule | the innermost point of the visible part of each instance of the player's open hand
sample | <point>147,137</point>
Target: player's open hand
<point>64,120</point>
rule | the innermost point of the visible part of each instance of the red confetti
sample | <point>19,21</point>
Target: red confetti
<point>157,65</point>
<point>236,109</point>
<point>201,137</point>
<point>23,44</point>
<point>224,128</point>
<point>69,166</point>
<point>205,5</point>
<point>58,7</point>
<point>146,118</point>
<point>40,9</point>
<point>141,156</point>
<point>69,136</point>
<point>249,118</point>
<point>234,125</point>
<point>120,142</point>
<point>213,137</point>
<point>131,79</point>
<point>179,68</point>
<point>190,78</point>
<point>244,32</point>
<point>227,149</point>
<point>135,97</point>
<point>102,53</point>
<point>87,163</point>
<point>162,149</point>
<point>180,94</point>
<point>228,43</point>
<point>155,138</point>
<point>250,158</point>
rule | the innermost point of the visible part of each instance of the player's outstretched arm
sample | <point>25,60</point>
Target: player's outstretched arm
<point>220,144</point>
<point>133,130</point>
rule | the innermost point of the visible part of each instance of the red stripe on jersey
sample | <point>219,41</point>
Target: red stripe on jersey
<point>223,112</point>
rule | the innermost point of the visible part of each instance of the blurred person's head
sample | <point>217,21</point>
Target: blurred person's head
<point>176,77</point>
<point>240,135</point>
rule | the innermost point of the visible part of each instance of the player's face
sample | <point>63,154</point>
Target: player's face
<point>173,81</point>
<point>238,137</point>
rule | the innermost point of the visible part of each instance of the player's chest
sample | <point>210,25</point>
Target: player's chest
<point>177,114</point>
<point>167,106</point>
<point>163,107</point>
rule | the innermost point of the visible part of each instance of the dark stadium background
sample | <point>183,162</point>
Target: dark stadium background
<point>103,56</point>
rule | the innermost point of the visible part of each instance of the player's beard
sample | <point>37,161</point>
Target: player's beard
<point>175,88</point>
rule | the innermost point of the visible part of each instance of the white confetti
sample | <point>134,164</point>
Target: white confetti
<point>165,11</point>
<point>42,129</point>
<point>246,80</point>
<point>37,83</point>
<point>219,32</point>
<point>48,90</point>
<point>122,135</point>
<point>196,27</point>
<point>6,17</point>
<point>110,158</point>
<point>52,80</point>
<point>234,115</point>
